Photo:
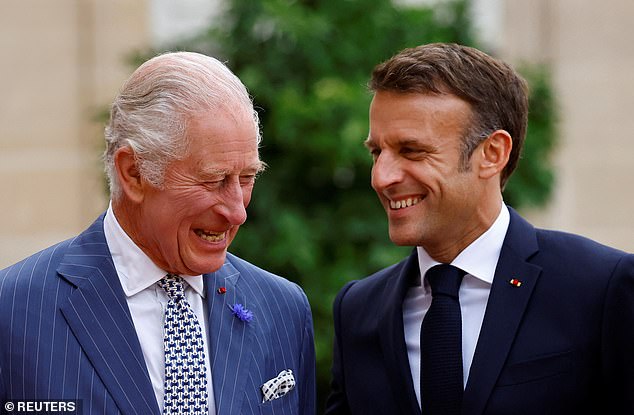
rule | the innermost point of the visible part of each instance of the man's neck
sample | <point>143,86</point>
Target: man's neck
<point>450,246</point>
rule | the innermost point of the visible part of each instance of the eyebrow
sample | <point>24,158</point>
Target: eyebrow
<point>255,168</point>
<point>409,142</point>
<point>369,142</point>
<point>259,167</point>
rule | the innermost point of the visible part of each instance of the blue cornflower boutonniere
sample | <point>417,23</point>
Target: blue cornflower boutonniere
<point>241,312</point>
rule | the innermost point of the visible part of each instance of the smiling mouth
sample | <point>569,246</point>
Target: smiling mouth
<point>404,203</point>
<point>210,236</point>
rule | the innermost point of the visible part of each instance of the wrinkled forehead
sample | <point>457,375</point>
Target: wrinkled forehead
<point>223,129</point>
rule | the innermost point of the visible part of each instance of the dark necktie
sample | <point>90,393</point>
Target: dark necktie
<point>185,371</point>
<point>441,344</point>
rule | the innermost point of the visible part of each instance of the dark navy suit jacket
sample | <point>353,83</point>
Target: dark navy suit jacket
<point>66,333</point>
<point>561,343</point>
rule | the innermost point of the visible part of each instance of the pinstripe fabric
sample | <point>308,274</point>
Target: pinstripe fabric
<point>245,355</point>
<point>67,334</point>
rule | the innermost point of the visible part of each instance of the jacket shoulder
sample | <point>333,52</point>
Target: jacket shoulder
<point>375,286</point>
<point>380,276</point>
<point>251,271</point>
<point>269,288</point>
<point>558,252</point>
<point>564,248</point>
<point>35,266</point>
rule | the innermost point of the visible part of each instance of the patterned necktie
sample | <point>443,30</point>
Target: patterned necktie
<point>185,372</point>
<point>441,344</point>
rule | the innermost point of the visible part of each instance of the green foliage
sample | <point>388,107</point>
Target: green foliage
<point>532,182</point>
<point>314,217</point>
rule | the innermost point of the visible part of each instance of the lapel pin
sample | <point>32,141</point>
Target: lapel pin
<point>221,290</point>
<point>515,282</point>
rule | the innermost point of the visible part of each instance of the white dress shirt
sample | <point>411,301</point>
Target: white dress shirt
<point>147,302</point>
<point>479,261</point>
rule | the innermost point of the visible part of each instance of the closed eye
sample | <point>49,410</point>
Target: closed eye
<point>413,153</point>
<point>407,150</point>
<point>213,184</point>
<point>247,179</point>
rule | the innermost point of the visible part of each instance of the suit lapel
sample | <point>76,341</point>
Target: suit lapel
<point>391,333</point>
<point>504,312</point>
<point>230,339</point>
<point>98,315</point>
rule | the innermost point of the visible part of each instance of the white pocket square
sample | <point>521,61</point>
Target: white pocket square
<point>278,386</point>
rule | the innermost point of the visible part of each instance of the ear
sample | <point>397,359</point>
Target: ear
<point>130,180</point>
<point>495,151</point>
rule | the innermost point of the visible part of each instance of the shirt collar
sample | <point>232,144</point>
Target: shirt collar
<point>135,269</point>
<point>480,258</point>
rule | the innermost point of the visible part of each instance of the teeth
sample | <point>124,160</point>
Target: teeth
<point>400,204</point>
<point>210,236</point>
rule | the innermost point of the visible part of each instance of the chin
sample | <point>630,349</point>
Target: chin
<point>215,266</point>
<point>401,240</point>
<point>207,266</point>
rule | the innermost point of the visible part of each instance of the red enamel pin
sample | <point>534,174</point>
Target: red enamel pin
<point>515,282</point>
<point>222,290</point>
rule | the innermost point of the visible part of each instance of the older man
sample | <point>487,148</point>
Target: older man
<point>488,315</point>
<point>145,312</point>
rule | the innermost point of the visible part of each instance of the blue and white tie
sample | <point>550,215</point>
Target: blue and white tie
<point>185,372</point>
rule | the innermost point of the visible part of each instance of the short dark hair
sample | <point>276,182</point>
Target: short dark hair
<point>497,94</point>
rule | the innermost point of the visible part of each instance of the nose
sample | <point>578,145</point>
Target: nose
<point>233,202</point>
<point>386,171</point>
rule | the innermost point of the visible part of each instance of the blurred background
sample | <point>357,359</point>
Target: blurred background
<point>314,218</point>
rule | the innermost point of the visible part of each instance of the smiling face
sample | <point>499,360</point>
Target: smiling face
<point>431,199</point>
<point>186,226</point>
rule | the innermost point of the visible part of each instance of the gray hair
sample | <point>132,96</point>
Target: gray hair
<point>151,112</point>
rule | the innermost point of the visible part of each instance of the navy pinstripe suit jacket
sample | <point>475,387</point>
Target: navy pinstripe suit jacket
<point>66,333</point>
